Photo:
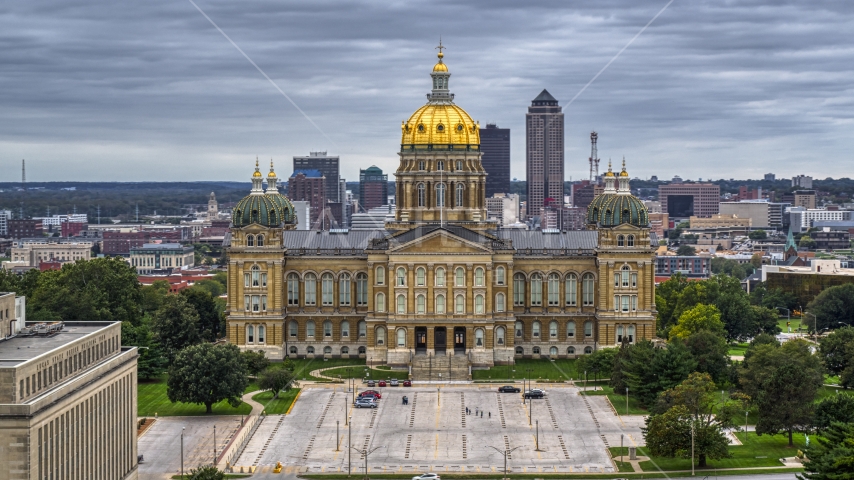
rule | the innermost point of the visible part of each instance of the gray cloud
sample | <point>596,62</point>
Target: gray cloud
<point>151,91</point>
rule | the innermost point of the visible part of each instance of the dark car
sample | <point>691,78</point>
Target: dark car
<point>508,389</point>
<point>407,383</point>
<point>372,393</point>
<point>535,393</point>
<point>372,383</point>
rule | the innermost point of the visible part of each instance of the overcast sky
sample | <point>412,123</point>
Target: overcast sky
<point>132,91</point>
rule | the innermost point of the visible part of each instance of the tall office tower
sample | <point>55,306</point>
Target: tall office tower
<point>544,166</point>
<point>373,188</point>
<point>495,146</point>
<point>309,186</point>
<point>328,166</point>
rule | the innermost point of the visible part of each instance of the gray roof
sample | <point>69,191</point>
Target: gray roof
<point>537,240</point>
<point>545,96</point>
<point>324,240</point>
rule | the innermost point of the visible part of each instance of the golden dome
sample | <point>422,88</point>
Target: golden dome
<point>440,124</point>
<point>272,174</point>
<point>624,173</point>
<point>440,67</point>
<point>257,172</point>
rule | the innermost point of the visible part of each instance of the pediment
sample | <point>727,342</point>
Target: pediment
<point>440,242</point>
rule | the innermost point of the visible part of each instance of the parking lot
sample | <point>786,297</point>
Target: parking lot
<point>434,432</point>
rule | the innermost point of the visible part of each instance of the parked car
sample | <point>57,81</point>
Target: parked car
<point>365,402</point>
<point>508,389</point>
<point>535,393</point>
<point>393,383</point>
<point>372,393</point>
<point>372,383</point>
<point>427,476</point>
<point>407,383</point>
<point>381,384</point>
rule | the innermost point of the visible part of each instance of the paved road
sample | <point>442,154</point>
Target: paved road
<point>161,444</point>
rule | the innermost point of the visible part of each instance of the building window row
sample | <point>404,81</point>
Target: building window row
<point>625,241</point>
<point>439,278</point>
<point>254,240</point>
<point>255,303</point>
<point>251,337</point>
<point>327,332</point>
<point>553,351</point>
<point>625,303</point>
<point>327,289</point>
<point>625,278</point>
<point>553,332</point>
<point>534,288</point>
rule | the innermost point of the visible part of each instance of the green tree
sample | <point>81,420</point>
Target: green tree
<point>666,298</point>
<point>210,315</point>
<point>831,456</point>
<point>175,325</point>
<point>686,251</point>
<point>207,374</point>
<point>757,235</point>
<point>276,380</point>
<point>651,370</point>
<point>783,382</point>
<point>599,362</point>
<point>711,353</point>
<point>212,287</point>
<point>773,298</point>
<point>151,362</point>
<point>256,362</point>
<point>699,318</point>
<point>618,377</point>
<point>23,284</point>
<point>756,261</point>
<point>674,234</point>
<point>764,320</point>
<point>837,354</point>
<point>835,408</point>
<point>153,295</point>
<point>207,472</point>
<point>833,306</point>
<point>806,242</point>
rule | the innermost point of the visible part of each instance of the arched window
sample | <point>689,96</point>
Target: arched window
<point>327,329</point>
<point>380,336</point>
<point>309,350</point>
<point>420,276</point>
<point>588,350</point>
<point>380,307</point>
<point>553,351</point>
<point>570,351</point>
<point>345,329</point>
<point>518,289</point>
<point>310,289</point>
<point>631,333</point>
<point>327,288</point>
<point>479,277</point>
<point>478,304</point>
<point>460,195</point>
<point>293,329</point>
<point>553,329</point>
<point>440,304</point>
<point>361,289</point>
<point>536,290</point>
<point>588,329</point>
<point>625,271</point>
<point>478,337</point>
<point>309,328</point>
<point>535,351</point>
<point>535,329</point>
<point>401,337</point>
<point>401,304</point>
<point>422,199</point>
<point>500,302</point>
<point>554,289</point>
<point>460,304</point>
<point>440,277</point>
<point>440,165</point>
<point>401,277</point>
<point>459,277</point>
<point>440,195</point>
<point>520,351</point>
<point>380,275</point>
<point>344,289</point>
<point>420,304</point>
<point>256,276</point>
<point>621,241</point>
<point>520,329</point>
<point>345,350</point>
<point>363,329</point>
<point>587,289</point>
<point>500,275</point>
<point>499,336</point>
<point>363,350</point>
<point>293,350</point>
<point>327,350</point>
<point>261,333</point>
<point>293,289</point>
<point>630,241</point>
<point>250,334</point>
<point>570,329</point>
<point>260,239</point>
<point>571,293</point>
<point>250,240</point>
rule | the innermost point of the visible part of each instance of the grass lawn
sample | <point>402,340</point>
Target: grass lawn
<point>152,399</point>
<point>540,369</point>
<point>304,366</point>
<point>619,401</point>
<point>739,349</point>
<point>756,451</point>
<point>278,406</point>
<point>795,324</point>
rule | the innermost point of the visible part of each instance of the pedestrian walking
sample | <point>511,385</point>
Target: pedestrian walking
<point>481,414</point>
<point>490,415</point>
<point>475,411</point>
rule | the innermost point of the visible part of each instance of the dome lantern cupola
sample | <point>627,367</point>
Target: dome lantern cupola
<point>268,209</point>
<point>609,180</point>
<point>272,187</point>
<point>616,207</point>
<point>624,188</point>
<point>257,180</point>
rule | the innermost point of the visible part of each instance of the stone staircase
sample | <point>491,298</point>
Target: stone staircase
<point>451,367</point>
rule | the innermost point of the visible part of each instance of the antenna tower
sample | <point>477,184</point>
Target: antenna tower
<point>23,172</point>
<point>594,157</point>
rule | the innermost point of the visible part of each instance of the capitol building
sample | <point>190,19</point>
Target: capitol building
<point>440,286</point>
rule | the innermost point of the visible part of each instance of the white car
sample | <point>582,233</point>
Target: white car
<point>427,476</point>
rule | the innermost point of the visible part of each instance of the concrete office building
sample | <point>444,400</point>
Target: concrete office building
<point>495,146</point>
<point>161,258</point>
<point>802,181</point>
<point>373,188</point>
<point>544,162</point>
<point>68,403</point>
<point>504,208</point>
<point>310,186</point>
<point>32,254</point>
<point>762,214</point>
<point>801,219</point>
<point>328,166</point>
<point>683,200</point>
<point>24,228</point>
<point>720,221</point>
<point>5,216</point>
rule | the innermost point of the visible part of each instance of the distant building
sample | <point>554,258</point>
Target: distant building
<point>33,254</point>
<point>584,194</point>
<point>54,223</point>
<point>373,219</point>
<point>683,200</point>
<point>495,146</point>
<point>653,206</point>
<point>373,188</point>
<point>802,181</point>
<point>801,219</point>
<point>720,221</point>
<point>153,258</point>
<point>328,166</point>
<point>806,282</point>
<point>302,210</point>
<point>5,216</point>
<point>827,239</point>
<point>24,228</point>
<point>309,186</point>
<point>72,229</point>
<point>762,214</point>
<point>804,198</point>
<point>544,145</point>
<point>213,207</point>
<point>770,177</point>
<point>744,193</point>
<point>692,266</point>
<point>658,223</point>
<point>504,208</point>
<point>574,218</point>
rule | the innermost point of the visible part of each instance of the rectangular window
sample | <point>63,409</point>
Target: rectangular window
<point>634,303</point>
<point>616,280</point>
<point>616,302</point>
<point>572,291</point>
<point>246,280</point>
<point>256,303</point>
<point>263,303</point>
<point>310,293</point>
<point>634,280</point>
<point>518,291</point>
<point>344,291</point>
<point>626,300</point>
<point>536,293</point>
<point>246,302</point>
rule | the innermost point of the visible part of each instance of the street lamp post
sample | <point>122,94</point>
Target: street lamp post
<point>214,445</point>
<point>505,453</point>
<point>349,442</point>
<point>182,452</point>
<point>538,436</point>
<point>692,447</point>
<point>367,452</point>
<point>627,400</point>
<point>337,433</point>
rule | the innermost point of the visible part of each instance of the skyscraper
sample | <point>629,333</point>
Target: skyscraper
<point>544,163</point>
<point>495,146</point>
<point>328,166</point>
<point>373,188</point>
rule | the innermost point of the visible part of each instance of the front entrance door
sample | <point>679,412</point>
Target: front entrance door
<point>420,340</point>
<point>459,339</point>
<point>439,340</point>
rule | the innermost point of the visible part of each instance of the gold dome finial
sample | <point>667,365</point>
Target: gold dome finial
<point>624,173</point>
<point>610,173</point>
<point>272,173</point>
<point>257,170</point>
<point>440,67</point>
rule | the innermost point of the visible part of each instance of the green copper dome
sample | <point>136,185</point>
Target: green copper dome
<point>613,209</point>
<point>267,210</point>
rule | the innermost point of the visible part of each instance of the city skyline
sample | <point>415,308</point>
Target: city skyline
<point>154,92</point>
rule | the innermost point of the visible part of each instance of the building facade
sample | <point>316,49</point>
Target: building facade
<point>34,253</point>
<point>153,258</point>
<point>495,145</point>
<point>683,200</point>
<point>309,186</point>
<point>544,150</point>
<point>440,281</point>
<point>373,188</point>
<point>328,166</point>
